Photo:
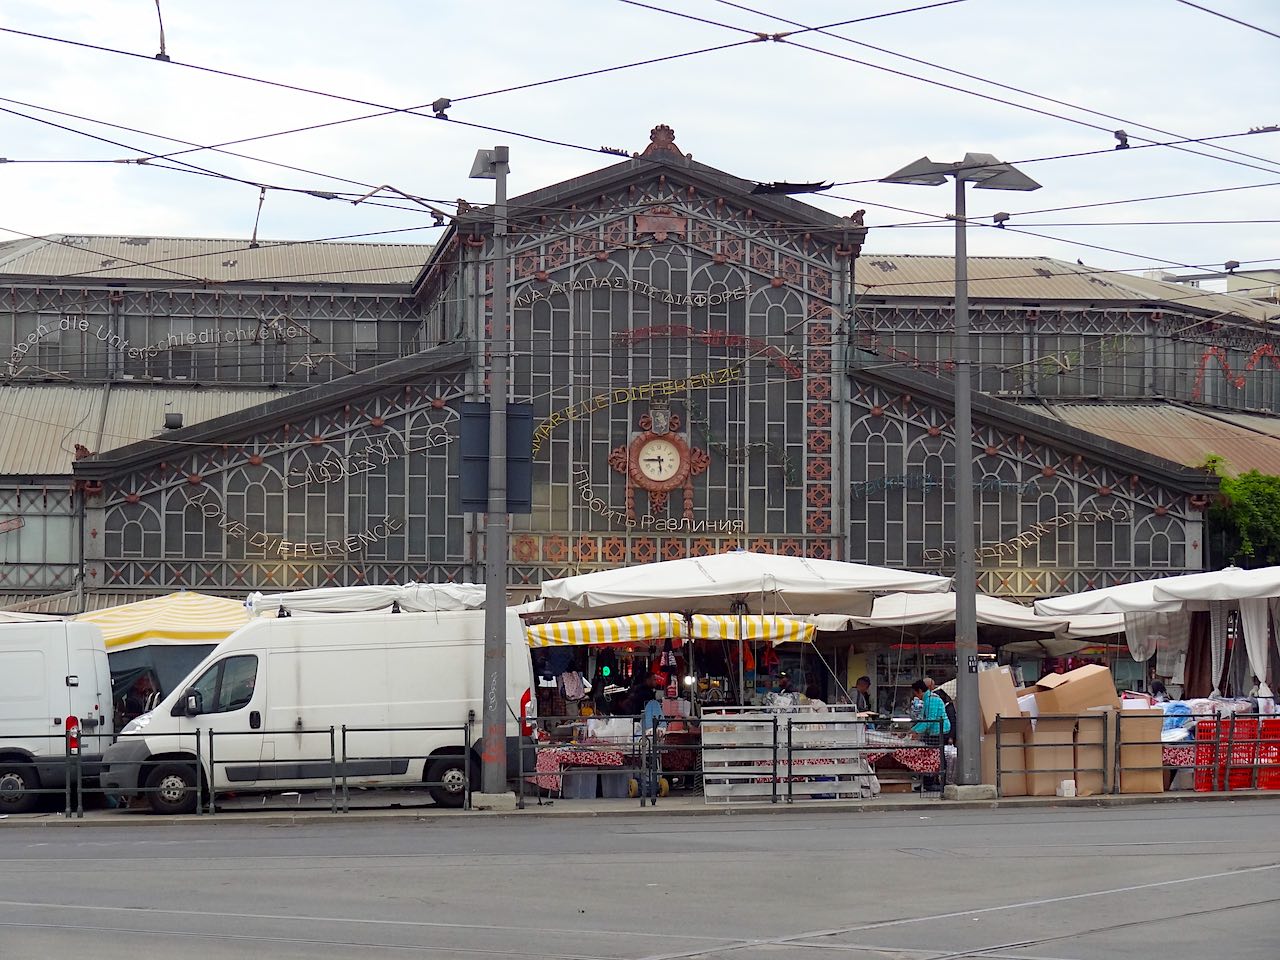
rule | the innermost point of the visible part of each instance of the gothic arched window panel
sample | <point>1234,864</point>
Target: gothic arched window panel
<point>133,531</point>
<point>1159,543</point>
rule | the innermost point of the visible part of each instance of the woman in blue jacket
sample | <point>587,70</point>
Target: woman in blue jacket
<point>933,726</point>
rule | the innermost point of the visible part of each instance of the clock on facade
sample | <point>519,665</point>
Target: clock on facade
<point>658,460</point>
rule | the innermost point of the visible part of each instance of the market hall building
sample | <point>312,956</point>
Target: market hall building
<point>709,368</point>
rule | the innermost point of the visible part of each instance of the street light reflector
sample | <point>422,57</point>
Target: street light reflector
<point>482,166</point>
<point>924,172</point>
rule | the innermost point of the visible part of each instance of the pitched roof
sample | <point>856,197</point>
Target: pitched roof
<point>1177,432</point>
<point>181,260</point>
<point>279,409</point>
<point>1034,280</point>
<point>40,424</point>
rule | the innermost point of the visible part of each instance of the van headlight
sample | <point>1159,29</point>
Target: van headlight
<point>136,724</point>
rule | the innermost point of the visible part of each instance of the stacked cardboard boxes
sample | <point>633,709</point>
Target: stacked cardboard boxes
<point>1064,727</point>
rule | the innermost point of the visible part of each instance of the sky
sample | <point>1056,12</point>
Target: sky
<point>763,110</point>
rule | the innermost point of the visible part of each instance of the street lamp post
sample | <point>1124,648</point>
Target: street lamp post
<point>493,165</point>
<point>985,172</point>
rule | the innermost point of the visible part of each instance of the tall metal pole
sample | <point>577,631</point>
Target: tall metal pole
<point>494,714</point>
<point>969,764</point>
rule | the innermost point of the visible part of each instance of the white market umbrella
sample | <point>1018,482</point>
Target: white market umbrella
<point>1124,598</point>
<point>904,609</point>
<point>725,582</point>
<point>1251,589</point>
<point>1231,583</point>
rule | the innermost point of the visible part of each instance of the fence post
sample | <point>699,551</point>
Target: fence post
<point>213,777</point>
<point>942,758</point>
<point>333,771</point>
<point>466,763</point>
<point>999,764</point>
<point>790,765</point>
<point>1231,753</point>
<point>346,787</point>
<point>199,777</point>
<point>66,773</point>
<point>774,721</point>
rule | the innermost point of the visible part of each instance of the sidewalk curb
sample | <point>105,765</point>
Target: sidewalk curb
<point>232,818</point>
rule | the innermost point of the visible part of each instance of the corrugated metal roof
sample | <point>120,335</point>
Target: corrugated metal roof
<point>1036,280</point>
<point>1260,422</point>
<point>40,424</point>
<point>179,259</point>
<point>1174,432</point>
<point>71,602</point>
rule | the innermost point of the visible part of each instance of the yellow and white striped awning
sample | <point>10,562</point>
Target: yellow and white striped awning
<point>651,627</point>
<point>637,628</point>
<point>183,617</point>
<point>757,628</point>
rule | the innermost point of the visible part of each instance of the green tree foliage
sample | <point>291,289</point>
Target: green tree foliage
<point>1244,523</point>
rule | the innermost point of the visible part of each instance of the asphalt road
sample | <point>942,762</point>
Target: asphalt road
<point>1193,881</point>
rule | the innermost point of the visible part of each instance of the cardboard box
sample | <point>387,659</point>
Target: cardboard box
<point>1013,779</point>
<point>1077,690</point>
<point>1050,755</point>
<point>1141,752</point>
<point>1095,752</point>
<point>996,696</point>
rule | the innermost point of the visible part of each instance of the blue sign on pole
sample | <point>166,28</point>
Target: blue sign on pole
<point>473,493</point>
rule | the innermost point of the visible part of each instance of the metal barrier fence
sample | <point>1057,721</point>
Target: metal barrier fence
<point>185,777</point>
<point>753,753</point>
<point>1125,751</point>
<point>585,757</point>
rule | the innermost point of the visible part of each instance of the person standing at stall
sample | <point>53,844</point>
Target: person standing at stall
<point>933,725</point>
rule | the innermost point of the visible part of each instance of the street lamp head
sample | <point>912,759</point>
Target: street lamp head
<point>983,170</point>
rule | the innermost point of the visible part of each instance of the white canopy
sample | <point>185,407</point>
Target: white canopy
<point>1231,583</point>
<point>1124,598</point>
<point>411,597</point>
<point>904,609</point>
<point>765,583</point>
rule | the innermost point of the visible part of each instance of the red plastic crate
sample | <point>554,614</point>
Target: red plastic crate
<point>1238,739</point>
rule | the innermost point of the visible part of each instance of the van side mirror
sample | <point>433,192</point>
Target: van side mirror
<point>193,703</point>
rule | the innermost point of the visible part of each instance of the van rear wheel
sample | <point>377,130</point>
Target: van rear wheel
<point>171,788</point>
<point>17,786</point>
<point>448,779</point>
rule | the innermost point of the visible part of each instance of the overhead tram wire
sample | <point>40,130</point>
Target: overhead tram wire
<point>574,146</point>
<point>326,94</point>
<point>1243,23</point>
<point>456,100</point>
<point>980,79</point>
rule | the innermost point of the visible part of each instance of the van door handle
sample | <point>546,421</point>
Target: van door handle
<point>255,719</point>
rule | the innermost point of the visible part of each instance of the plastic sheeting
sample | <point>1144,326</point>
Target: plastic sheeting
<point>411,597</point>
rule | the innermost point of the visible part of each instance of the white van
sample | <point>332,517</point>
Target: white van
<point>55,693</point>
<point>274,679</point>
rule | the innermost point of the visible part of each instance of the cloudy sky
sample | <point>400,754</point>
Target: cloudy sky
<point>1160,69</point>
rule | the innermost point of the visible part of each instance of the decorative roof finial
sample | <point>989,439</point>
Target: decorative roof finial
<point>662,139</point>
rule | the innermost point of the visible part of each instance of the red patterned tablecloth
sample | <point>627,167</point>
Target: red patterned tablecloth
<point>1180,756</point>
<point>553,760</point>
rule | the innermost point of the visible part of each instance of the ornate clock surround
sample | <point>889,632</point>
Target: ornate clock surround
<point>658,425</point>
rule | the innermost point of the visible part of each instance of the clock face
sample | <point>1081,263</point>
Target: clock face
<point>659,460</point>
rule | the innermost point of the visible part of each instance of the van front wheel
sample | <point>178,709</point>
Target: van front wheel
<point>448,779</point>
<point>171,788</point>
<point>17,783</point>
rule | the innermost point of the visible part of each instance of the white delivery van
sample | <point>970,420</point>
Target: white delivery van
<point>55,693</point>
<point>273,680</point>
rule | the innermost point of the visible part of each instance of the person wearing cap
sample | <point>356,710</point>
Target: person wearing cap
<point>933,725</point>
